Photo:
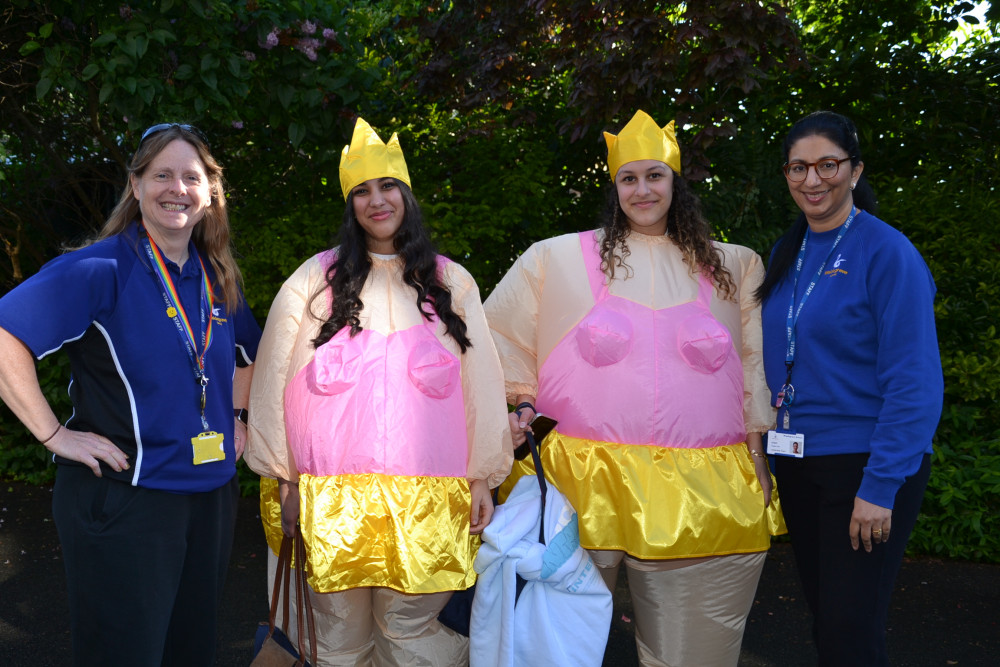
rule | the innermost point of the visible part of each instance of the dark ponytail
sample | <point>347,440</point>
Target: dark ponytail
<point>841,131</point>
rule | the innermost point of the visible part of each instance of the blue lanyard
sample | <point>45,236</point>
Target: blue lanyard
<point>787,393</point>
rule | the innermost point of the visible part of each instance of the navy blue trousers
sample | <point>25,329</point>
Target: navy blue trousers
<point>145,569</point>
<point>848,591</point>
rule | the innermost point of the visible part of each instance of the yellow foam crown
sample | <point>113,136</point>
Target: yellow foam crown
<point>642,139</point>
<point>367,157</point>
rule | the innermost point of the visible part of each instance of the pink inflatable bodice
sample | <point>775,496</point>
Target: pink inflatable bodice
<point>630,374</point>
<point>388,404</point>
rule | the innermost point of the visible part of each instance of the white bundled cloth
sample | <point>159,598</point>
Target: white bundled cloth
<point>563,614</point>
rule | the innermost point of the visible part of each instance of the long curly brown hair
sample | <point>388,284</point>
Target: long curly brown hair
<point>685,226</point>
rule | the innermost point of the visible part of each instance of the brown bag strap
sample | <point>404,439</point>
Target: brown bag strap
<point>303,603</point>
<point>282,572</point>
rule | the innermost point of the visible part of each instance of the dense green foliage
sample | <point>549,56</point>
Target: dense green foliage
<point>500,108</point>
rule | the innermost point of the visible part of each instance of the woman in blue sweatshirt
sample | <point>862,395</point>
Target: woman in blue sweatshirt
<point>851,359</point>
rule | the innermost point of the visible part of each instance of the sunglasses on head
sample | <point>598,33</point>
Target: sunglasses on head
<point>166,126</point>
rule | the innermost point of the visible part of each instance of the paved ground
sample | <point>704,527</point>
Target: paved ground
<point>944,612</point>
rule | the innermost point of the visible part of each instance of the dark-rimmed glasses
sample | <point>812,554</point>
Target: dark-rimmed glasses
<point>796,172</point>
<point>159,127</point>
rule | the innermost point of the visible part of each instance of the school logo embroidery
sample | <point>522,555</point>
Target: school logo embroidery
<point>836,267</point>
<point>217,316</point>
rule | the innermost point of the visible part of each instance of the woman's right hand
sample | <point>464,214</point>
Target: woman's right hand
<point>521,423</point>
<point>518,427</point>
<point>288,494</point>
<point>87,448</point>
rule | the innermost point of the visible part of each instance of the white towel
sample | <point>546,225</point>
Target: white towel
<point>563,615</point>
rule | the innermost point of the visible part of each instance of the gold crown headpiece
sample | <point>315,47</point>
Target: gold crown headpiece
<point>367,157</point>
<point>642,139</point>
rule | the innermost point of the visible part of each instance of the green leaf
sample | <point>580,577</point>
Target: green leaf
<point>147,92</point>
<point>43,88</point>
<point>296,133</point>
<point>89,72</point>
<point>285,95</point>
<point>103,40</point>
<point>162,36</point>
<point>184,72</point>
<point>209,61</point>
<point>105,93</point>
<point>46,30</point>
<point>211,80</point>
<point>128,46</point>
<point>29,47</point>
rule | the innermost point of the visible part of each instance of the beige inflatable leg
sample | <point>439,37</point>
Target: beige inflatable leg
<point>343,621</point>
<point>408,632</point>
<point>694,616</point>
<point>607,562</point>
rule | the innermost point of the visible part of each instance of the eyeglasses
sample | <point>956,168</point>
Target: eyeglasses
<point>796,172</point>
<point>166,126</point>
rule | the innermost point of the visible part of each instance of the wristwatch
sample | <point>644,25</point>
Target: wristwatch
<point>242,414</point>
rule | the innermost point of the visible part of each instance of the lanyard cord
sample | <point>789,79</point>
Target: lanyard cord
<point>787,391</point>
<point>176,312</point>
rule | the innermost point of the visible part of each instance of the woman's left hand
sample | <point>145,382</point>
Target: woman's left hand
<point>482,506</point>
<point>755,445</point>
<point>763,472</point>
<point>869,523</point>
<point>240,440</point>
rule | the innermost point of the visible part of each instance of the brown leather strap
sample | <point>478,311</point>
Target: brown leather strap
<point>304,603</point>
<point>282,571</point>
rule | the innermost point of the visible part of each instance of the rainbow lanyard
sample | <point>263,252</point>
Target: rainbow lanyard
<point>176,312</point>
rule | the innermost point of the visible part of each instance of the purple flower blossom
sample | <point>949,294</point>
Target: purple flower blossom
<point>125,12</point>
<point>308,27</point>
<point>250,56</point>
<point>238,124</point>
<point>329,33</point>
<point>271,40</point>
<point>308,47</point>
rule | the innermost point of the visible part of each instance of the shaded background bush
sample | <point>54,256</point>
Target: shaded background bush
<point>500,109</point>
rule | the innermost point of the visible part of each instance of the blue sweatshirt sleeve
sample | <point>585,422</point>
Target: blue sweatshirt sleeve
<point>901,292</point>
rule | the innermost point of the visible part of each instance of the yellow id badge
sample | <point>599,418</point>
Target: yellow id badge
<point>208,447</point>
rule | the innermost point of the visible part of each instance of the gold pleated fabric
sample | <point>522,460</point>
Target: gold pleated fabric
<point>270,512</point>
<point>406,533</point>
<point>660,502</point>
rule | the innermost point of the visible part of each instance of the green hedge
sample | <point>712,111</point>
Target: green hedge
<point>950,215</point>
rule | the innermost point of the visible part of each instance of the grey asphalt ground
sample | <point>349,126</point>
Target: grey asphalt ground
<point>943,612</point>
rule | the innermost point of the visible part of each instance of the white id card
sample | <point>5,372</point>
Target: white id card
<point>786,444</point>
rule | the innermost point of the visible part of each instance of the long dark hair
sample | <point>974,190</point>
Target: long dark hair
<point>685,226</point>
<point>841,131</point>
<point>349,271</point>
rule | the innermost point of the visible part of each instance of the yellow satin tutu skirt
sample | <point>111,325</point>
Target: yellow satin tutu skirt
<point>660,502</point>
<point>406,533</point>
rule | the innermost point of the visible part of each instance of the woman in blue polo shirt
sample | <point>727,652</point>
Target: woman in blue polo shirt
<point>160,343</point>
